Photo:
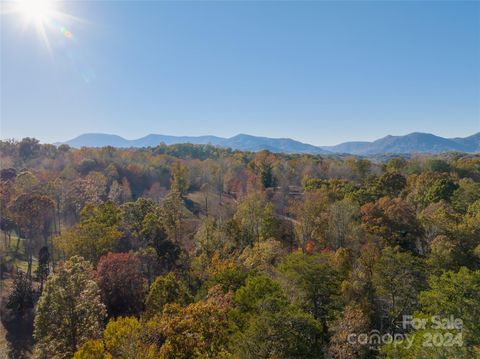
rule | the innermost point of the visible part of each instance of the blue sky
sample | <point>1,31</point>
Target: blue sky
<point>319,72</point>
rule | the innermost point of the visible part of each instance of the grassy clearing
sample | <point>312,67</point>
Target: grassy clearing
<point>215,207</point>
<point>14,258</point>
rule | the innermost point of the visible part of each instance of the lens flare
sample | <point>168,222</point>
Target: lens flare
<point>43,15</point>
<point>66,32</point>
<point>50,23</point>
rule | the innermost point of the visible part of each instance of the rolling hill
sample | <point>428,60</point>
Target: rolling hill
<point>412,143</point>
<point>239,142</point>
<point>416,142</point>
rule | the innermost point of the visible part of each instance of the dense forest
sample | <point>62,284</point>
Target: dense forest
<point>194,251</point>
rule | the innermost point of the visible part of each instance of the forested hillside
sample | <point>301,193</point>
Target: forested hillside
<point>193,251</point>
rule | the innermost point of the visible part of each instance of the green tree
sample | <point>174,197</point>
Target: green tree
<point>256,289</point>
<point>164,290</point>
<point>171,215</point>
<point>106,213</point>
<point>264,168</point>
<point>437,165</point>
<point>89,240</point>
<point>124,339</point>
<point>22,297</point>
<point>69,311</point>
<point>200,330</point>
<point>468,191</point>
<point>211,238</point>
<point>97,233</point>
<point>92,349</point>
<point>441,189</point>
<point>179,178</point>
<point>456,294</point>
<point>28,148</point>
<point>43,267</point>
<point>140,221</point>
<point>359,166</point>
<point>396,164</point>
<point>391,183</point>
<point>430,187</point>
<point>452,295</point>
<point>228,278</point>
<point>398,277</point>
<point>313,282</point>
<point>263,256</point>
<point>442,254</point>
<point>288,333</point>
<point>256,220</point>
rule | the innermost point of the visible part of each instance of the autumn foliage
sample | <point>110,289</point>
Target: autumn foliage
<point>119,277</point>
<point>195,251</point>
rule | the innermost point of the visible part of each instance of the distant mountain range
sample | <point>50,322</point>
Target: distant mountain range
<point>412,143</point>
<point>415,142</point>
<point>239,142</point>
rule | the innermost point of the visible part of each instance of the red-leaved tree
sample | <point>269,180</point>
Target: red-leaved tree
<point>119,276</point>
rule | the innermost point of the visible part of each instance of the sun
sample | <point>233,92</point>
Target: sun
<point>41,15</point>
<point>36,11</point>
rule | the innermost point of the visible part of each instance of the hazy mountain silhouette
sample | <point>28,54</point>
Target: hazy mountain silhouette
<point>412,143</point>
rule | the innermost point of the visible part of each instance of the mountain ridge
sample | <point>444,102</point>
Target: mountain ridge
<point>415,142</point>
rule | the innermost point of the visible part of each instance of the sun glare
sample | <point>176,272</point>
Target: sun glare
<point>42,15</point>
<point>38,11</point>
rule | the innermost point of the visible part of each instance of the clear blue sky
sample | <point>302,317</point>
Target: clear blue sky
<point>319,72</point>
